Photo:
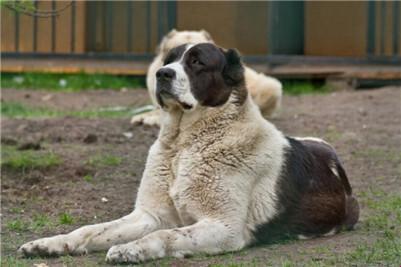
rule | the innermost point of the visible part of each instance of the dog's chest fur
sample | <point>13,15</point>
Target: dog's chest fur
<point>195,172</point>
<point>214,158</point>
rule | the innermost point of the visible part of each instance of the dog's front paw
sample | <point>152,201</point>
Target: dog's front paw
<point>51,246</point>
<point>150,118</point>
<point>125,253</point>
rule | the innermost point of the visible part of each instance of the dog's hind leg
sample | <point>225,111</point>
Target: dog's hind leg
<point>206,236</point>
<point>95,237</point>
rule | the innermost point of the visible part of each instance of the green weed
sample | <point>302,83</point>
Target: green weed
<point>27,160</point>
<point>69,82</point>
<point>17,110</point>
<point>88,178</point>
<point>104,160</point>
<point>298,87</point>
<point>17,225</point>
<point>40,221</point>
<point>65,218</point>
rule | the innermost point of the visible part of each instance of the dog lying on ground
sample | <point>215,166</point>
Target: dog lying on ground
<point>219,177</point>
<point>266,91</point>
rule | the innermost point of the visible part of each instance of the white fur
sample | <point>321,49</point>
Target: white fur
<point>205,188</point>
<point>181,85</point>
<point>313,139</point>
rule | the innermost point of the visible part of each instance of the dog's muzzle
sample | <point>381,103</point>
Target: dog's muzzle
<point>164,78</point>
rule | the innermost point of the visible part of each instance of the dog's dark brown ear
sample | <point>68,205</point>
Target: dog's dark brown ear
<point>233,72</point>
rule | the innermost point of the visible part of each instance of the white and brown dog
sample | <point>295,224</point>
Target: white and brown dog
<point>219,177</point>
<point>266,91</point>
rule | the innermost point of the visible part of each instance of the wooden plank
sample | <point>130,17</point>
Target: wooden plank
<point>191,16</point>
<point>44,29</point>
<point>25,33</point>
<point>7,30</point>
<point>379,72</point>
<point>335,28</point>
<point>63,28</point>
<point>119,24</point>
<point>80,27</point>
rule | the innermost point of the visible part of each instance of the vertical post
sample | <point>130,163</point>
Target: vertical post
<point>148,24</point>
<point>272,21</point>
<point>382,26</point>
<point>72,44</point>
<point>371,33</point>
<point>160,17</point>
<point>129,26</point>
<point>171,15</point>
<point>109,25</point>
<point>35,28</point>
<point>286,27</point>
<point>53,27</point>
<point>396,27</point>
<point>16,36</point>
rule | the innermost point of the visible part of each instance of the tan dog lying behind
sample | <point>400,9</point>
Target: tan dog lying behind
<point>266,91</point>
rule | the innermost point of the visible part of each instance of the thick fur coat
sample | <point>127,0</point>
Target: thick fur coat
<point>219,177</point>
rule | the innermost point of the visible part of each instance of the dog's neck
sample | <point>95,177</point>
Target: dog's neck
<point>175,123</point>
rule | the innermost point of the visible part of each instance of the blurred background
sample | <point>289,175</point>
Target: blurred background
<point>275,32</point>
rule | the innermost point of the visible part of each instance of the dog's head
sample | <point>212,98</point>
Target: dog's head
<point>176,38</point>
<point>199,75</point>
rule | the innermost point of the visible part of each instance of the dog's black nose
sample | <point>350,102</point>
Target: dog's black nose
<point>166,74</point>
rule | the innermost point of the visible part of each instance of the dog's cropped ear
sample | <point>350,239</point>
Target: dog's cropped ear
<point>233,72</point>
<point>162,48</point>
<point>207,35</point>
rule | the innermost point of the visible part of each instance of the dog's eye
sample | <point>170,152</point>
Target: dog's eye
<point>196,62</point>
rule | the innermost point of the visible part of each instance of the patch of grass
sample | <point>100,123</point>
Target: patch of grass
<point>16,210</point>
<point>88,178</point>
<point>17,225</point>
<point>27,160</point>
<point>66,218</point>
<point>14,262</point>
<point>104,160</point>
<point>40,221</point>
<point>385,222</point>
<point>298,87</point>
<point>17,110</point>
<point>69,82</point>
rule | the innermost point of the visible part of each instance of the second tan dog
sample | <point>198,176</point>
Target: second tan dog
<point>266,91</point>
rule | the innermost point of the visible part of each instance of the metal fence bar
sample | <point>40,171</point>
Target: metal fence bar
<point>172,14</point>
<point>148,24</point>
<point>382,26</point>
<point>371,31</point>
<point>109,26</point>
<point>16,34</point>
<point>159,21</point>
<point>53,27</point>
<point>72,39</point>
<point>129,27</point>
<point>396,27</point>
<point>274,59</point>
<point>35,28</point>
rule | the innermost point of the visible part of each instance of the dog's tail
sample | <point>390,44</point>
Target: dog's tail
<point>351,203</point>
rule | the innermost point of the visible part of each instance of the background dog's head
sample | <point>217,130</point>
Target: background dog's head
<point>199,75</point>
<point>176,38</point>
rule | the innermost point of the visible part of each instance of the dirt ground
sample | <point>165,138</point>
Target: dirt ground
<point>363,126</point>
